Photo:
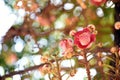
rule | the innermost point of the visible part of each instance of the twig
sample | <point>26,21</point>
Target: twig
<point>49,77</point>
<point>58,69</point>
<point>87,66</point>
<point>21,71</point>
<point>100,64</point>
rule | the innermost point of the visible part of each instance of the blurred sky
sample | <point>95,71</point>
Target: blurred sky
<point>7,19</point>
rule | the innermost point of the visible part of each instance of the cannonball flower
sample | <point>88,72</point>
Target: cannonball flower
<point>97,2</point>
<point>66,46</point>
<point>83,39</point>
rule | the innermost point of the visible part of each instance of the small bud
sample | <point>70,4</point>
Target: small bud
<point>72,32</point>
<point>91,27</point>
<point>100,45</point>
<point>100,63</point>
<point>44,59</point>
<point>73,72</point>
<point>68,55</point>
<point>45,69</point>
<point>117,25</point>
<point>82,53</point>
<point>113,49</point>
<point>99,54</point>
<point>95,32</point>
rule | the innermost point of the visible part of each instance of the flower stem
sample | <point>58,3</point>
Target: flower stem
<point>58,69</point>
<point>87,66</point>
<point>49,77</point>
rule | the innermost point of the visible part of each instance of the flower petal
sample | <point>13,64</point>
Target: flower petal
<point>84,38</point>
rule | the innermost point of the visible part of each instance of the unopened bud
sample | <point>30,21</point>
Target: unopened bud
<point>100,63</point>
<point>68,55</point>
<point>44,59</point>
<point>117,25</point>
<point>95,32</point>
<point>99,54</point>
<point>100,45</point>
<point>73,72</point>
<point>72,32</point>
<point>91,27</point>
<point>114,49</point>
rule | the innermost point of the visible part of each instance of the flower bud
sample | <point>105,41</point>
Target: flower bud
<point>91,27</point>
<point>72,32</point>
<point>44,59</point>
<point>117,25</point>
<point>114,49</point>
<point>73,72</point>
<point>100,63</point>
<point>100,44</point>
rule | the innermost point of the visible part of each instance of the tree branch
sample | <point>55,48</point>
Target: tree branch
<point>21,71</point>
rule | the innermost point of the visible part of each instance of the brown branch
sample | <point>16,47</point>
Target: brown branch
<point>102,49</point>
<point>100,65</point>
<point>87,66</point>
<point>115,1</point>
<point>21,71</point>
<point>58,69</point>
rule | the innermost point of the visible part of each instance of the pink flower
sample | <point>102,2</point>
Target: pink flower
<point>97,2</point>
<point>84,38</point>
<point>66,46</point>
